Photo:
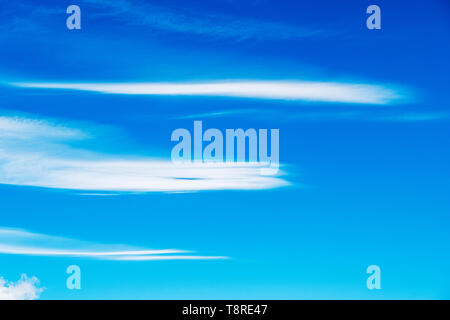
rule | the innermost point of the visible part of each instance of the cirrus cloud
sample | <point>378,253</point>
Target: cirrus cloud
<point>37,153</point>
<point>280,90</point>
<point>23,242</point>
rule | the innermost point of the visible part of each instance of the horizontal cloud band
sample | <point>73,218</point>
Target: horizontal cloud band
<point>54,252</point>
<point>21,242</point>
<point>282,90</point>
<point>37,153</point>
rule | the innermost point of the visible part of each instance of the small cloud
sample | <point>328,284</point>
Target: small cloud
<point>416,117</point>
<point>23,128</point>
<point>24,289</point>
<point>217,114</point>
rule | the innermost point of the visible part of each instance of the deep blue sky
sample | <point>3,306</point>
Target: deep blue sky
<point>368,183</point>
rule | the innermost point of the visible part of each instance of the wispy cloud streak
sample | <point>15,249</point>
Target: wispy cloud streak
<point>21,242</point>
<point>281,90</point>
<point>29,16</point>
<point>52,163</point>
<point>198,22</point>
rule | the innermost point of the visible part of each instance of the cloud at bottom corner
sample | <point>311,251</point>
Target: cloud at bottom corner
<point>26,288</point>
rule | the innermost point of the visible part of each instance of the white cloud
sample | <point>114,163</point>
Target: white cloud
<point>166,18</point>
<point>22,242</point>
<point>24,289</point>
<point>199,22</point>
<point>284,90</point>
<point>132,176</point>
<point>22,128</point>
<point>173,257</point>
<point>416,117</point>
<point>37,153</point>
<point>32,251</point>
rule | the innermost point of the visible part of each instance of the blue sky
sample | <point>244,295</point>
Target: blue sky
<point>364,128</point>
